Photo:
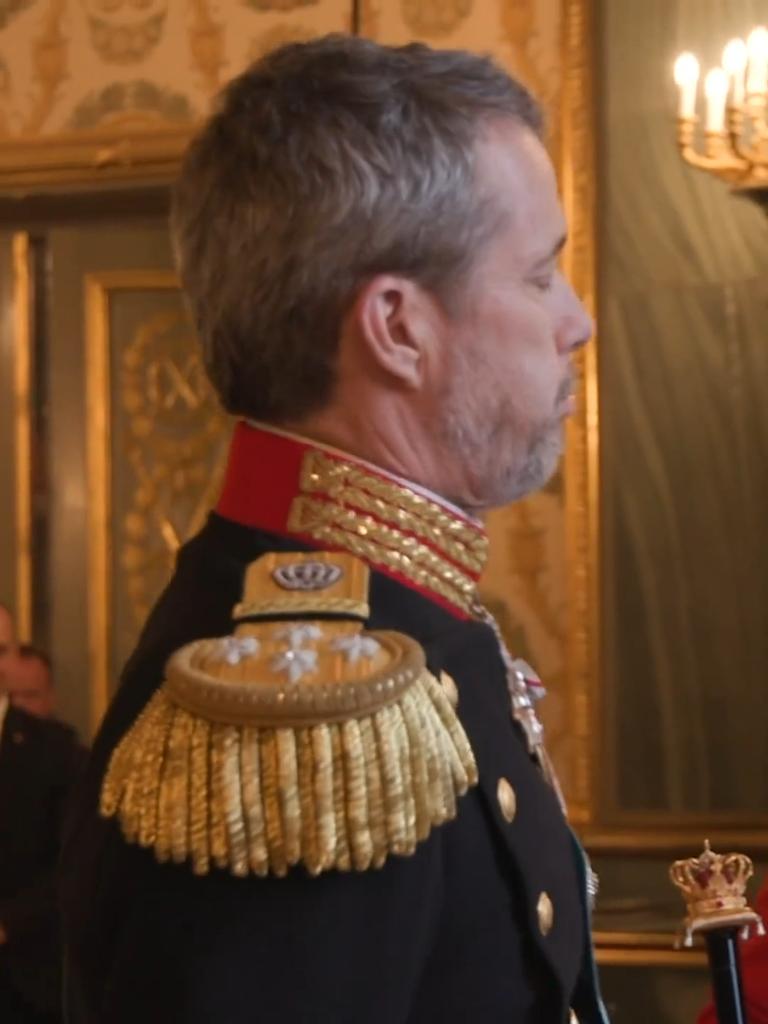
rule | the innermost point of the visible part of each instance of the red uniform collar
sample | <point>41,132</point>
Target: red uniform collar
<point>293,487</point>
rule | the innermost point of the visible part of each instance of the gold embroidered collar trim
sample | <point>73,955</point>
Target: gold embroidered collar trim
<point>334,501</point>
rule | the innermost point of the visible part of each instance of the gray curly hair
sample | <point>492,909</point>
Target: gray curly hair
<point>326,163</point>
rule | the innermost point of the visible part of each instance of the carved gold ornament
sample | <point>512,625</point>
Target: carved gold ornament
<point>295,742</point>
<point>50,49</point>
<point>125,31</point>
<point>206,44</point>
<point>434,18</point>
<point>9,9</point>
<point>280,6</point>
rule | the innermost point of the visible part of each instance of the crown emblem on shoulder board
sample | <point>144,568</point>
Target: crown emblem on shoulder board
<point>307,575</point>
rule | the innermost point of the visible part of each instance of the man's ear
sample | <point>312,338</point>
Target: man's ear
<point>397,321</point>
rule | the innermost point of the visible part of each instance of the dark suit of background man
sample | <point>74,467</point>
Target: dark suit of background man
<point>39,763</point>
<point>368,237</point>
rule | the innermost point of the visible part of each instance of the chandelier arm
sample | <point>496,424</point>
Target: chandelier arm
<point>749,154</point>
<point>727,162</point>
<point>708,163</point>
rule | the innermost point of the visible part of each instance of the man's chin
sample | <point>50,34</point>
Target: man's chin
<point>517,482</point>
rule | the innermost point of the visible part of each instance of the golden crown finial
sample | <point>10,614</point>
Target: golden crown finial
<point>713,887</point>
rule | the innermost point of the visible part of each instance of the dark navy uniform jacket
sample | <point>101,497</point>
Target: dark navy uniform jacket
<point>453,933</point>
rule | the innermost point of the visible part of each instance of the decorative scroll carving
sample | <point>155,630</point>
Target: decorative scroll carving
<point>206,45</point>
<point>10,8</point>
<point>125,31</point>
<point>434,18</point>
<point>130,104</point>
<point>49,60</point>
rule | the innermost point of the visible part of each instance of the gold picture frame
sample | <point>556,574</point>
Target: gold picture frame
<point>579,261</point>
<point>91,159</point>
<point>22,291</point>
<point>99,288</point>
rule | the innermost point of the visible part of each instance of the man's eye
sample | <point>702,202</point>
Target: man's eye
<point>544,284</point>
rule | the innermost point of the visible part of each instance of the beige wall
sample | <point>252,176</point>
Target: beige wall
<point>73,65</point>
<point>70,65</point>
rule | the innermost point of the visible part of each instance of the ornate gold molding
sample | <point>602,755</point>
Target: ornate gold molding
<point>91,158</point>
<point>99,468</point>
<point>150,385</point>
<point>577,180</point>
<point>644,949</point>
<point>654,834</point>
<point>98,420</point>
<point>22,390</point>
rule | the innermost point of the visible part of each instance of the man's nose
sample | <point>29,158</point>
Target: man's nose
<point>576,326</point>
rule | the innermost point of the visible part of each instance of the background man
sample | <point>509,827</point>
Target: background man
<point>28,680</point>
<point>7,630</point>
<point>39,764</point>
<point>368,237</point>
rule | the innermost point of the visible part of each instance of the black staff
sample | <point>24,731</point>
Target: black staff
<point>713,887</point>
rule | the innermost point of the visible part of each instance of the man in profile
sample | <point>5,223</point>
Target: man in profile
<point>332,805</point>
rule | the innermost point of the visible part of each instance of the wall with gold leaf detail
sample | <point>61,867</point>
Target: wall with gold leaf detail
<point>523,35</point>
<point>75,65</point>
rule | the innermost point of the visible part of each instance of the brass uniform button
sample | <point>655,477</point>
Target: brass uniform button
<point>450,688</point>
<point>546,913</point>
<point>507,799</point>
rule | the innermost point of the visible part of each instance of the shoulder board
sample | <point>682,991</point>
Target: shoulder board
<point>298,739</point>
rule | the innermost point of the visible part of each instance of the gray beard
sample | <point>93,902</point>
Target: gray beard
<point>497,480</point>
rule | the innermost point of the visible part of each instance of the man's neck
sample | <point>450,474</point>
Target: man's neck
<point>404,450</point>
<point>380,460</point>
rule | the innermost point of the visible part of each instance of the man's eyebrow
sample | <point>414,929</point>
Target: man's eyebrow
<point>554,252</point>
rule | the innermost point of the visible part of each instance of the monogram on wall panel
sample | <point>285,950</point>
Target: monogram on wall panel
<point>157,439</point>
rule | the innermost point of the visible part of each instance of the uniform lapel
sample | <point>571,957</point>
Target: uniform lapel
<point>536,839</point>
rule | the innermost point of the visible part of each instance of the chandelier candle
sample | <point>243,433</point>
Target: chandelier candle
<point>735,137</point>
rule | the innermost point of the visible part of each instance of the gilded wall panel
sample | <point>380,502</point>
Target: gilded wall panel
<point>156,447</point>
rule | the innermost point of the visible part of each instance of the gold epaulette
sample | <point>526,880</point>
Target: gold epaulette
<point>298,740</point>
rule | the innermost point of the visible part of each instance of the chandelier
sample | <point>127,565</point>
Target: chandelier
<point>735,138</point>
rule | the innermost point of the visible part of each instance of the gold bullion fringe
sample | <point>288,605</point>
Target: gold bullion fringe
<point>258,800</point>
